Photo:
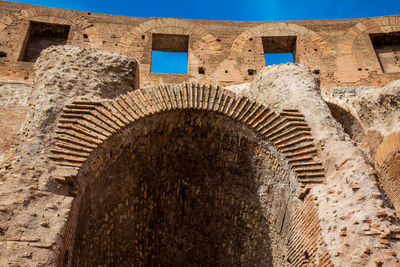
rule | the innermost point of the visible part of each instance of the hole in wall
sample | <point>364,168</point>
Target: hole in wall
<point>201,70</point>
<point>279,58</point>
<point>387,49</point>
<point>169,53</point>
<point>279,49</point>
<point>41,36</point>
<point>251,72</point>
<point>3,54</point>
<point>85,36</point>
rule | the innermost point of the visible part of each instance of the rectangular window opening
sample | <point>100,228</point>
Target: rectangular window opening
<point>387,49</point>
<point>41,36</point>
<point>169,53</point>
<point>279,49</point>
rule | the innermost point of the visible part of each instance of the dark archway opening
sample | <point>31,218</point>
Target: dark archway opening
<point>181,189</point>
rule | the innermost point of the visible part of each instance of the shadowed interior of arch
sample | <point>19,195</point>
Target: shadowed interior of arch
<point>193,188</point>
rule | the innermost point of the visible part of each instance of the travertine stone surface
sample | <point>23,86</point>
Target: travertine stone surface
<point>67,72</point>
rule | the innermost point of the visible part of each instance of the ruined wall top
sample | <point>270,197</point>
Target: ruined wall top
<point>346,52</point>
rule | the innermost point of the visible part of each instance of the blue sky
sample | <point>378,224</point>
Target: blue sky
<point>250,10</point>
<point>239,10</point>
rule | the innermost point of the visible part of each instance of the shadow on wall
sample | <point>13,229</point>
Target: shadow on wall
<point>350,124</point>
<point>192,190</point>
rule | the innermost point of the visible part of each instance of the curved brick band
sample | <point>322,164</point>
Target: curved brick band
<point>170,26</point>
<point>45,14</point>
<point>54,16</point>
<point>390,145</point>
<point>281,29</point>
<point>84,125</point>
<point>370,25</point>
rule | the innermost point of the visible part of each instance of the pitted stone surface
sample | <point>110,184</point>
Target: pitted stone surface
<point>64,73</point>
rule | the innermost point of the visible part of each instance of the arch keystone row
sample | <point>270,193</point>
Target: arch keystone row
<point>281,29</point>
<point>48,15</point>
<point>85,125</point>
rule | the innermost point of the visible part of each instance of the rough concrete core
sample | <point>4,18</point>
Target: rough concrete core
<point>67,72</point>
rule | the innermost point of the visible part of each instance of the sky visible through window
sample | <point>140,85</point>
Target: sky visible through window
<point>279,58</point>
<point>169,62</point>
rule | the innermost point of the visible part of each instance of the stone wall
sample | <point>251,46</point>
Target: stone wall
<point>340,51</point>
<point>263,172</point>
<point>171,153</point>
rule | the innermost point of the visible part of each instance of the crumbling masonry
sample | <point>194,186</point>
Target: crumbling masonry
<point>106,163</point>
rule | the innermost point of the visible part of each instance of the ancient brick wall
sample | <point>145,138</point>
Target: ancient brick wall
<point>13,109</point>
<point>342,52</point>
<point>387,161</point>
<point>267,175</point>
<point>390,180</point>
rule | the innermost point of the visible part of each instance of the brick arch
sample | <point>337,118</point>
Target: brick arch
<point>170,26</point>
<point>367,26</point>
<point>84,125</point>
<point>281,29</point>
<point>389,146</point>
<point>387,164</point>
<point>46,15</point>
